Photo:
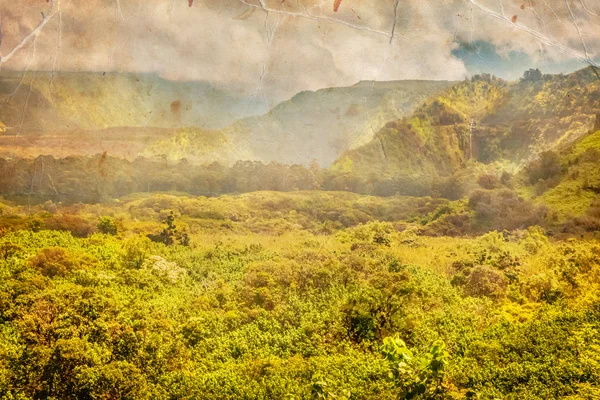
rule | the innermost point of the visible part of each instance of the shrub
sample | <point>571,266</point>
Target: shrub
<point>546,167</point>
<point>542,287</point>
<point>136,251</point>
<point>170,235</point>
<point>416,378</point>
<point>78,226</point>
<point>488,181</point>
<point>371,312</point>
<point>504,209</point>
<point>54,261</point>
<point>485,281</point>
<point>108,226</point>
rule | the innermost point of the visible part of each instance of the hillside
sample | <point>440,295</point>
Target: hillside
<point>567,181</point>
<point>485,119</point>
<point>318,125</point>
<point>46,101</point>
<point>434,140</point>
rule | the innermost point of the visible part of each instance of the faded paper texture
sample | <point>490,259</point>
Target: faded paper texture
<point>212,65</point>
<point>300,199</point>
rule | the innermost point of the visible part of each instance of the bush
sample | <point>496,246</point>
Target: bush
<point>485,281</point>
<point>546,167</point>
<point>55,261</point>
<point>504,209</point>
<point>137,250</point>
<point>416,378</point>
<point>488,181</point>
<point>108,226</point>
<point>170,235</point>
<point>78,226</point>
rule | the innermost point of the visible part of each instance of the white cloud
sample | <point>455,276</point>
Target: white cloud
<point>299,45</point>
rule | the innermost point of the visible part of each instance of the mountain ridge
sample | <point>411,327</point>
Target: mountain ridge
<point>319,125</point>
<point>46,101</point>
<point>486,119</point>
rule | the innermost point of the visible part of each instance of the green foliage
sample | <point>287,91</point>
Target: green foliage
<point>568,183</point>
<point>319,390</point>
<point>416,379</point>
<point>548,166</point>
<point>136,251</point>
<point>374,311</point>
<point>295,296</point>
<point>170,235</point>
<point>108,226</point>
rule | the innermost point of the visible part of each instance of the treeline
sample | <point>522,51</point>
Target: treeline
<point>97,178</point>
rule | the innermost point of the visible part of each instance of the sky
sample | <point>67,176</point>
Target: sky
<point>270,50</point>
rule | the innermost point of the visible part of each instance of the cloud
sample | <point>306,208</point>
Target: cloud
<point>297,44</point>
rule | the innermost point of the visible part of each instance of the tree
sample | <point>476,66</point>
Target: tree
<point>546,167</point>
<point>532,75</point>
<point>488,181</point>
<point>170,235</point>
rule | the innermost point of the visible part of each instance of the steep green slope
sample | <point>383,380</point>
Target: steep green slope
<point>538,114</point>
<point>485,119</point>
<point>567,181</point>
<point>434,141</point>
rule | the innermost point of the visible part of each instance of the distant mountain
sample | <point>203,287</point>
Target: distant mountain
<point>485,119</point>
<point>46,101</point>
<point>311,126</point>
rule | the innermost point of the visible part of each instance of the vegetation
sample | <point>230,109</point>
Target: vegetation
<point>567,181</point>
<point>300,295</point>
<point>436,262</point>
<point>484,119</point>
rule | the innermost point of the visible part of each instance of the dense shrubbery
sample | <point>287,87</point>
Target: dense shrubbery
<point>269,300</point>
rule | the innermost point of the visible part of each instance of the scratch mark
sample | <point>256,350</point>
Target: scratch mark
<point>585,50</point>
<point>52,183</point>
<point>382,147</point>
<point>33,34</point>
<point>314,17</point>
<point>395,21</point>
<point>472,19</point>
<point>539,36</point>
<point>120,11</point>
<point>586,8</point>
<point>57,54</point>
